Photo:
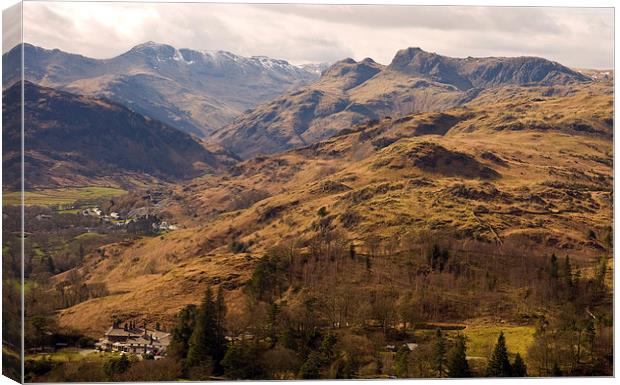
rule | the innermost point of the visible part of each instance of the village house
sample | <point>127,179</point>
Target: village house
<point>409,345</point>
<point>92,212</point>
<point>131,339</point>
<point>165,226</point>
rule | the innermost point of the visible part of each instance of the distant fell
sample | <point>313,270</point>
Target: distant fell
<point>195,91</point>
<point>351,92</point>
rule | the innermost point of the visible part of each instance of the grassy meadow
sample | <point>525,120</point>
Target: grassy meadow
<point>60,196</point>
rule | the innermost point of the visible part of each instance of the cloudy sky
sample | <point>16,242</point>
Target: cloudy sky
<point>578,37</point>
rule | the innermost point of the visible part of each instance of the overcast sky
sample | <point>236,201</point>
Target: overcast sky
<point>577,37</point>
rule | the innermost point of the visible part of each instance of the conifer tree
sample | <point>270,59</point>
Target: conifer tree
<point>242,362</point>
<point>352,252</point>
<point>401,362</point>
<point>51,267</point>
<point>327,346</point>
<point>220,327</point>
<point>499,365</point>
<point>568,279</point>
<point>457,360</point>
<point>591,336</point>
<point>601,271</point>
<point>272,319</point>
<point>439,354</point>
<point>182,332</point>
<point>116,365</point>
<point>518,367</point>
<point>554,267</point>
<point>205,344</point>
<point>311,368</point>
<point>556,371</point>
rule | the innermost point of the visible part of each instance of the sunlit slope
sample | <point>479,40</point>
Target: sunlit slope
<point>520,166</point>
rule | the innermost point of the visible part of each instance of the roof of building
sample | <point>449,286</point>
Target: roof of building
<point>135,332</point>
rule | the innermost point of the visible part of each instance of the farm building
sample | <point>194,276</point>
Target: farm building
<point>135,340</point>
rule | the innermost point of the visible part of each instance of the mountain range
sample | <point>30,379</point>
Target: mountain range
<point>351,92</point>
<point>165,89</point>
<point>195,91</point>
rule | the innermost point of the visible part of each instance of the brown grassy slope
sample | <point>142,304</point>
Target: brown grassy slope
<point>541,179</point>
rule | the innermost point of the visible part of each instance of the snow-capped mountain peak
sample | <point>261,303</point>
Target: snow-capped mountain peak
<point>222,62</point>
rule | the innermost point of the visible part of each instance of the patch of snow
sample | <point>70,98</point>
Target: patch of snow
<point>177,55</point>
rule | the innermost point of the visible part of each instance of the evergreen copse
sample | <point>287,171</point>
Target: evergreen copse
<point>457,359</point>
<point>499,365</point>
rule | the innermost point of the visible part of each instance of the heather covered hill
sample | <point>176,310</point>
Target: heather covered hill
<point>80,140</point>
<point>351,92</point>
<point>157,80</point>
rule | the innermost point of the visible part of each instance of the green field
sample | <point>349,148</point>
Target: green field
<point>60,196</point>
<point>482,339</point>
<point>72,354</point>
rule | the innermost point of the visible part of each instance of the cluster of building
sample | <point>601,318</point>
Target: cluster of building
<point>411,346</point>
<point>117,220</point>
<point>97,213</point>
<point>163,225</point>
<point>129,338</point>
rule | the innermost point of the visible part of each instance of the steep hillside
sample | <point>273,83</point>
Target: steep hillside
<point>157,79</point>
<point>527,170</point>
<point>79,140</point>
<point>350,93</point>
<point>298,118</point>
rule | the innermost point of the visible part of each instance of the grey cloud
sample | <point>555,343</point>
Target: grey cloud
<point>431,17</point>
<point>304,33</point>
<point>12,27</point>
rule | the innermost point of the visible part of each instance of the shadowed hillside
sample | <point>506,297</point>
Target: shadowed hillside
<point>78,140</point>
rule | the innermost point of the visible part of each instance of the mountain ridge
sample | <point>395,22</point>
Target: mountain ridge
<point>351,92</point>
<point>222,84</point>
